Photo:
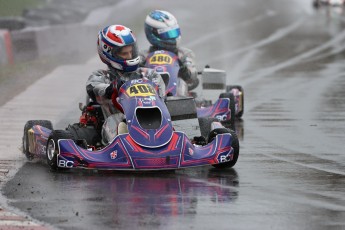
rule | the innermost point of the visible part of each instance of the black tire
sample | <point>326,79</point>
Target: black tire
<point>52,149</point>
<point>234,144</point>
<point>25,141</point>
<point>205,125</point>
<point>230,96</point>
<point>89,134</point>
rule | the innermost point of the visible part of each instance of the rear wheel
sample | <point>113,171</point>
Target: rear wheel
<point>25,143</point>
<point>239,88</point>
<point>234,144</point>
<point>53,148</point>
<point>232,108</point>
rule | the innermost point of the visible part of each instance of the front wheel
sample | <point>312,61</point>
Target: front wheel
<point>53,147</point>
<point>234,144</point>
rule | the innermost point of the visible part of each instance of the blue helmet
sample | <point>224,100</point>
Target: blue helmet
<point>111,41</point>
<point>162,30</point>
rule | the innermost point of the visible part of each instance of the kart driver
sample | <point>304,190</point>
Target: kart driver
<point>163,32</point>
<point>117,48</point>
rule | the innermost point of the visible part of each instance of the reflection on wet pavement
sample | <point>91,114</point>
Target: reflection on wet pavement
<point>146,198</point>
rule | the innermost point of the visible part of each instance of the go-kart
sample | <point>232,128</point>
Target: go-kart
<point>226,108</point>
<point>318,3</point>
<point>151,143</point>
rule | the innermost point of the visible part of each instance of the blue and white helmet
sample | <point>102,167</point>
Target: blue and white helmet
<point>162,30</point>
<point>110,41</point>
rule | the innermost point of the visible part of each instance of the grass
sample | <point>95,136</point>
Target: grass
<point>15,7</point>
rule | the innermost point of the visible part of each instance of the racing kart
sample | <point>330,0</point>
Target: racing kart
<point>318,3</point>
<point>226,108</point>
<point>151,143</point>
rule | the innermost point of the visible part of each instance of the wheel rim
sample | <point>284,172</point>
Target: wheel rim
<point>51,149</point>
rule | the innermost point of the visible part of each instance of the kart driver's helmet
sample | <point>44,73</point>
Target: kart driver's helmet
<point>162,30</point>
<point>111,42</point>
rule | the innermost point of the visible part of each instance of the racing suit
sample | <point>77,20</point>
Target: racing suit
<point>96,87</point>
<point>188,71</point>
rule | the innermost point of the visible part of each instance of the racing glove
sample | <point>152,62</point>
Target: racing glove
<point>89,90</point>
<point>109,91</point>
<point>115,86</point>
<point>184,73</point>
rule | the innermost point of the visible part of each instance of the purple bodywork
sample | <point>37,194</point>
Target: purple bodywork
<point>151,143</point>
<point>166,63</point>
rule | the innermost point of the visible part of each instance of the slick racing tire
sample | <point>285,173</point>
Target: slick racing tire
<point>234,144</point>
<point>228,89</point>
<point>52,149</point>
<point>29,124</point>
<point>232,108</point>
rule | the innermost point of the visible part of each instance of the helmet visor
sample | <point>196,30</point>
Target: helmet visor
<point>168,33</point>
<point>125,52</point>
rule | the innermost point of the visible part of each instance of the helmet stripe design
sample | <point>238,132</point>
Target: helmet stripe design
<point>159,15</point>
<point>128,39</point>
<point>117,40</point>
<point>118,35</point>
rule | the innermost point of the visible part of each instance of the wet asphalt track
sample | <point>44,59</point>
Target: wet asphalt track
<point>291,170</point>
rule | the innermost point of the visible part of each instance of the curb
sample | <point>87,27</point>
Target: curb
<point>11,221</point>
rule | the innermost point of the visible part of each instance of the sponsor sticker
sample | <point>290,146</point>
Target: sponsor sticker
<point>113,154</point>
